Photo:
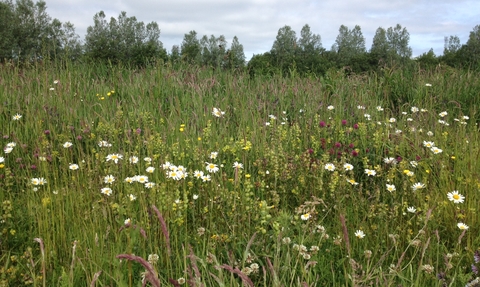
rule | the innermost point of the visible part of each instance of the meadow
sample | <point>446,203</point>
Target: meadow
<point>168,176</point>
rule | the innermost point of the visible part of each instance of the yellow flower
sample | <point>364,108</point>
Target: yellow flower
<point>2,165</point>
<point>247,175</point>
<point>199,138</point>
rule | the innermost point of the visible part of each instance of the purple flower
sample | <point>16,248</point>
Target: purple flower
<point>47,132</point>
<point>338,145</point>
<point>476,256</point>
<point>344,122</point>
<point>322,124</point>
<point>474,269</point>
<point>355,126</point>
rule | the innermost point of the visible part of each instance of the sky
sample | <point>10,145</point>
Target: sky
<point>256,22</point>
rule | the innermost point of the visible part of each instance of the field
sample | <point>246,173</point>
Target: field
<point>190,176</point>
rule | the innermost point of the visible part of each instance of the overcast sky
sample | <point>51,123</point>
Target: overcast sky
<point>256,22</point>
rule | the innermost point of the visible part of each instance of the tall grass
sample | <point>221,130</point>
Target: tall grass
<point>285,218</point>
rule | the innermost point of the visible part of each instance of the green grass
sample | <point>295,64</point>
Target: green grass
<point>283,212</point>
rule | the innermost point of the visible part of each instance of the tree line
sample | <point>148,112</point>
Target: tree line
<point>28,33</point>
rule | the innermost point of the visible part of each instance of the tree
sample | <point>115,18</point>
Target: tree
<point>235,57</point>
<point>472,48</point>
<point>398,39</point>
<point>308,42</point>
<point>123,40</point>
<point>380,45</point>
<point>349,43</point>
<point>7,39</point>
<point>309,58</point>
<point>284,46</point>
<point>190,48</point>
<point>452,44</point>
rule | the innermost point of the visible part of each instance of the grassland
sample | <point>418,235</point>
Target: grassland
<point>113,176</point>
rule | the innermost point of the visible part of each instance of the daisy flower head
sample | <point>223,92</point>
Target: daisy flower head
<point>174,174</point>
<point>141,178</point>
<point>305,216</point>
<point>73,166</point>
<point>414,109</point>
<point>150,169</point>
<point>330,167</point>
<point>206,178</point>
<point>443,114</point>
<point>128,221</point>
<point>379,108</point>
<point>436,150</point>
<point>148,159</point>
<point>211,167</point>
<point>17,117</point>
<point>392,120</point>
<point>352,181</point>
<point>455,197</point>
<point>132,197</point>
<point>237,165</point>
<point>109,179</point>
<point>348,166</point>
<point>67,144</point>
<point>411,209</point>
<point>213,154</point>
<point>130,179</point>
<point>428,144</point>
<point>330,108</point>
<point>115,157</point>
<point>390,160</point>
<point>370,172</point>
<point>2,159</point>
<point>217,113</point>
<point>133,159</point>
<point>198,174</point>
<point>462,226</point>
<point>417,186</point>
<point>391,187</point>
<point>359,234</point>
<point>149,185</point>
<point>8,149</point>
<point>107,191</point>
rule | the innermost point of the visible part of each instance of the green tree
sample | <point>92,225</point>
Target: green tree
<point>398,41</point>
<point>7,24</point>
<point>191,48</point>
<point>380,47</point>
<point>235,56</point>
<point>349,44</point>
<point>283,49</point>
<point>309,58</point>
<point>472,48</point>
<point>123,40</point>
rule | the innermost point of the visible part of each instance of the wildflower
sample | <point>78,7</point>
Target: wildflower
<point>131,197</point>
<point>206,178</point>
<point>2,159</point>
<point>359,234</point>
<point>181,280</point>
<point>272,117</point>
<point>391,187</point>
<point>114,157</point>
<point>128,221</point>
<point>360,107</point>
<point>67,144</point>
<point>104,144</point>
<point>330,108</point>
<point>8,149</point>
<point>17,117</point>
<point>411,209</point>
<point>428,144</point>
<point>73,166</point>
<point>429,133</point>
<point>107,191</point>
<point>414,109</point>
<point>392,120</point>
<point>443,114</point>
<point>413,163</point>
<point>390,160</point>
<point>195,196</point>
<point>462,226</point>
<point>173,174</point>
<point>428,85</point>
<point>149,184</point>
<point>455,197</point>
<point>330,167</point>
<point>436,150</point>
<point>237,165</point>
<point>150,169</point>
<point>305,216</point>
<point>198,174</point>
<point>133,159</point>
<point>141,178</point>
<point>109,179</point>
<point>370,172</point>
<point>348,166</point>
<point>211,167</point>
<point>417,186</point>
<point>352,181</point>
<point>166,165</point>
<point>217,113</point>
<point>213,154</point>
<point>153,258</point>
<point>428,268</point>
<point>148,159</point>
<point>129,179</point>
<point>379,108</point>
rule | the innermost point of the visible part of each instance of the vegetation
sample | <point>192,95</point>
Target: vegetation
<point>173,175</point>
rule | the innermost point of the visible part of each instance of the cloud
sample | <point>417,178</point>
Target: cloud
<point>256,22</point>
